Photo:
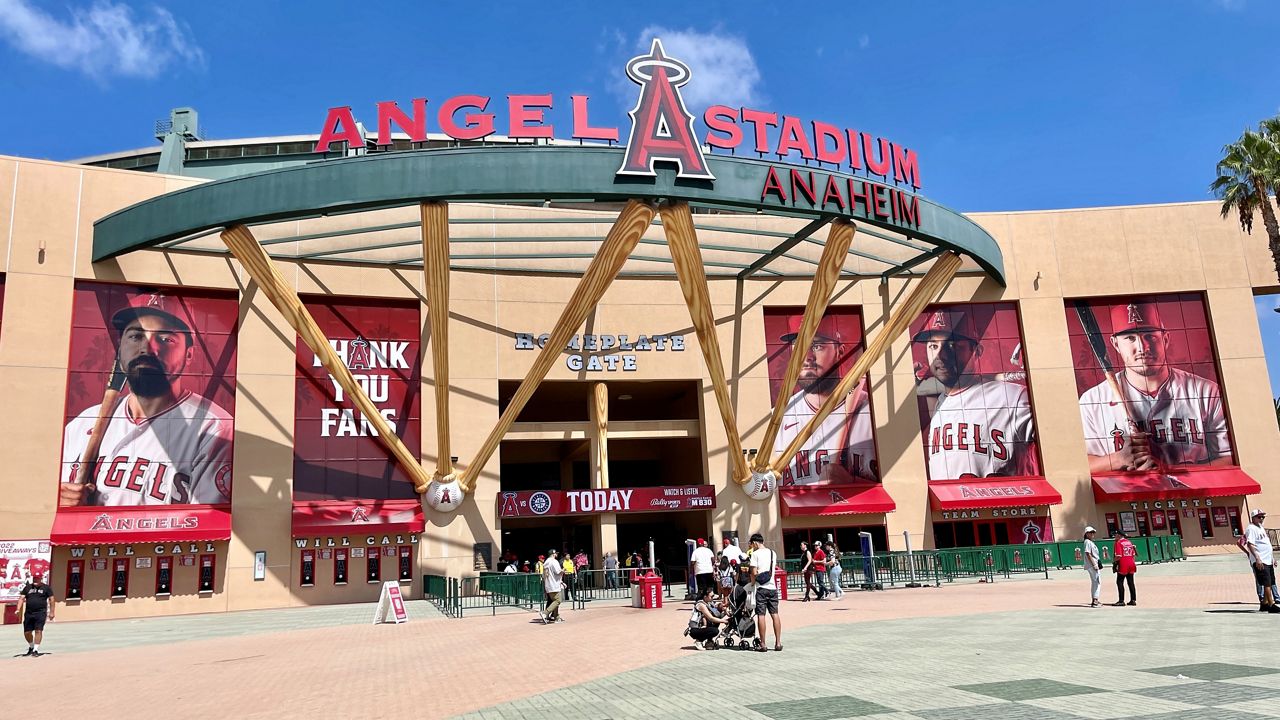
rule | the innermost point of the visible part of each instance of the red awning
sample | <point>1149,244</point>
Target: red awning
<point>992,493</point>
<point>1173,484</point>
<point>334,517</point>
<point>140,524</point>
<point>836,499</point>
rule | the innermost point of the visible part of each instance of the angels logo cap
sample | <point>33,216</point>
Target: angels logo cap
<point>828,329</point>
<point>950,322</point>
<point>1135,317</point>
<point>156,304</point>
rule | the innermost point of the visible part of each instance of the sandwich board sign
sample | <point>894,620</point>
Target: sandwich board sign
<point>390,602</point>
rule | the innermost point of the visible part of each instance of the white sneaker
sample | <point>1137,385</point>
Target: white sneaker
<point>697,646</point>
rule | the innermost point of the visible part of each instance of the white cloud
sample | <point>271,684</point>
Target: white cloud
<point>724,71</point>
<point>864,41</point>
<point>106,39</point>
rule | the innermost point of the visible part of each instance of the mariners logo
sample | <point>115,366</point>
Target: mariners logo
<point>540,503</point>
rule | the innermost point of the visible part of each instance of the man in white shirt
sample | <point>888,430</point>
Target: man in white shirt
<point>1093,566</point>
<point>764,565</point>
<point>703,565</point>
<point>552,572</point>
<point>1258,546</point>
<point>732,551</point>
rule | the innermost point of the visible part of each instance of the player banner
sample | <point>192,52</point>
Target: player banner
<point>149,405</point>
<point>1147,377</point>
<point>973,392</point>
<point>20,560</point>
<point>337,455</point>
<point>843,449</point>
<point>547,503</point>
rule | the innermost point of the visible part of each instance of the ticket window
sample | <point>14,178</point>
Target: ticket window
<point>406,563</point>
<point>164,576</point>
<point>1233,517</point>
<point>340,567</point>
<point>75,579</point>
<point>1113,525</point>
<point>1144,525</point>
<point>1206,525</point>
<point>308,575</point>
<point>373,566</point>
<point>206,573</point>
<point>120,578</point>
<point>1158,519</point>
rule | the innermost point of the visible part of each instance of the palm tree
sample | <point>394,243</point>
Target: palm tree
<point>1248,171</point>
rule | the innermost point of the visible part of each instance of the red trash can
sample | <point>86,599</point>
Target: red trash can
<point>650,591</point>
<point>780,578</point>
<point>11,614</point>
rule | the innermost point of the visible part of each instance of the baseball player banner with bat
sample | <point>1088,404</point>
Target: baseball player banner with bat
<point>336,453</point>
<point>150,396</point>
<point>1147,377</point>
<point>973,392</point>
<point>842,450</point>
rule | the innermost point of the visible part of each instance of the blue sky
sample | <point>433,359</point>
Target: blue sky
<point>1011,105</point>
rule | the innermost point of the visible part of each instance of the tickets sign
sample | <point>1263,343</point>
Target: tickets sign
<point>545,503</point>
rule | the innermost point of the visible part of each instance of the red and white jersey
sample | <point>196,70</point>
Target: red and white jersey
<point>1184,418</point>
<point>181,455</point>
<point>819,460</point>
<point>982,430</point>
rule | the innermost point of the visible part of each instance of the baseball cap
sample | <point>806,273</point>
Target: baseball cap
<point>702,541</point>
<point>1256,512</point>
<point>726,542</point>
<point>827,328</point>
<point>156,304</point>
<point>951,322</point>
<point>1088,529</point>
<point>1135,317</point>
<point>552,551</point>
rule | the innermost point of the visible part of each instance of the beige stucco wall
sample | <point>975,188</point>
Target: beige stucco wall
<point>46,215</point>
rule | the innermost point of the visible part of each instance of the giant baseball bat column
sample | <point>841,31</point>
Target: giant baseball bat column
<point>600,402</point>
<point>944,268</point>
<point>246,249</point>
<point>444,493</point>
<point>839,238</point>
<point>682,241</point>
<point>614,251</point>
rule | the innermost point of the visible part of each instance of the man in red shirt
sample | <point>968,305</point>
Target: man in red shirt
<point>1126,565</point>
<point>820,569</point>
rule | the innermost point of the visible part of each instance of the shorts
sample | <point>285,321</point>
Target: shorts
<point>706,580</point>
<point>1266,577</point>
<point>34,621</point>
<point>766,601</point>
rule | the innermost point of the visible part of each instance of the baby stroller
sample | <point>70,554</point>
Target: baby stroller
<point>740,631</point>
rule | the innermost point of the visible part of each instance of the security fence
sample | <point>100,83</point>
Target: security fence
<point>456,597</point>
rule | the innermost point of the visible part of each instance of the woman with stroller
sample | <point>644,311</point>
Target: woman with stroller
<point>704,625</point>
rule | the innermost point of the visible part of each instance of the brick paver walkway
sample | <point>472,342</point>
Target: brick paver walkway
<point>1012,649</point>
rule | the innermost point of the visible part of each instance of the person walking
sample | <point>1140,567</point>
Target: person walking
<point>702,563</point>
<point>764,563</point>
<point>36,604</point>
<point>1258,546</point>
<point>806,568</point>
<point>1092,565</point>
<point>834,570</point>
<point>703,623</point>
<point>819,570</point>
<point>553,585</point>
<point>1125,566</point>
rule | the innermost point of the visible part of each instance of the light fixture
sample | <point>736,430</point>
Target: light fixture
<point>624,397</point>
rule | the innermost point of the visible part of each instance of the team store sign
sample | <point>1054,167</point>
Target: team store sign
<point>607,353</point>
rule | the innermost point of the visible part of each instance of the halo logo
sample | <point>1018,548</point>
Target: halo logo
<point>661,125</point>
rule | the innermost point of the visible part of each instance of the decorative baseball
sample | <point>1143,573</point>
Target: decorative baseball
<point>445,494</point>
<point>762,485</point>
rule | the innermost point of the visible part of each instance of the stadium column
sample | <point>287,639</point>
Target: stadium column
<point>839,238</point>
<point>934,281</point>
<point>682,241</point>
<point>631,224</point>
<point>254,259</point>
<point>606,524</point>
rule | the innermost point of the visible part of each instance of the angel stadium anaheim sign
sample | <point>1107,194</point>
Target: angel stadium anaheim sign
<point>663,131</point>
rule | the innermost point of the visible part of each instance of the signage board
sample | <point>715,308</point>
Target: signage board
<point>390,602</point>
<point>547,503</point>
